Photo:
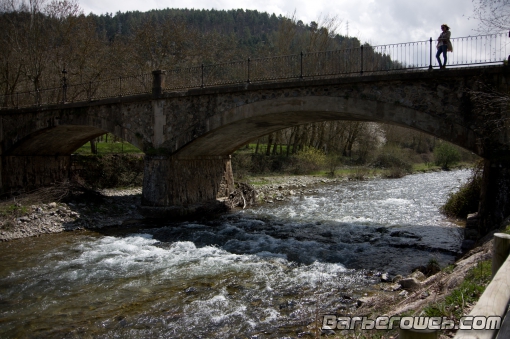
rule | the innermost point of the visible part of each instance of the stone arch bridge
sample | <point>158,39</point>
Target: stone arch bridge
<point>188,136</point>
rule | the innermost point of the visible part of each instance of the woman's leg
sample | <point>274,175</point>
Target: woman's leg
<point>438,54</point>
<point>445,49</point>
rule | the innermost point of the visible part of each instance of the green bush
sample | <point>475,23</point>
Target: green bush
<point>333,161</point>
<point>394,173</point>
<point>446,155</point>
<point>466,199</point>
<point>393,158</point>
<point>309,160</point>
<point>359,173</point>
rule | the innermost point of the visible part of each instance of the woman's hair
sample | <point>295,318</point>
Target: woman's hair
<point>445,25</point>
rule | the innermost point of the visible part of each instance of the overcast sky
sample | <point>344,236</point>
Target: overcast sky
<point>374,21</point>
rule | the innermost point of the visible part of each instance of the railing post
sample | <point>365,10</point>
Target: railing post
<point>202,81</point>
<point>430,54</point>
<point>64,86</point>
<point>500,251</point>
<point>158,82</point>
<point>361,66</point>
<point>248,70</point>
<point>301,74</point>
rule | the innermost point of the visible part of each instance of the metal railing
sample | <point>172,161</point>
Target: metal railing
<point>81,92</point>
<point>418,55</point>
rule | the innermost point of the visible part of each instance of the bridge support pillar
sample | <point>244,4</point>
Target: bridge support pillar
<point>26,172</point>
<point>171,181</point>
<point>495,194</point>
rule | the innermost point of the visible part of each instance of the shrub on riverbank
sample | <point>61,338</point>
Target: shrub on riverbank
<point>394,160</point>
<point>466,199</point>
<point>389,161</point>
<point>108,171</point>
<point>304,162</point>
<point>309,160</point>
<point>446,155</point>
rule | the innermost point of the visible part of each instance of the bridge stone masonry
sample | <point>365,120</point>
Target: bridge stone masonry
<point>188,136</point>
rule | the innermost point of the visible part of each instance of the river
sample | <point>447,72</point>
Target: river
<point>264,272</point>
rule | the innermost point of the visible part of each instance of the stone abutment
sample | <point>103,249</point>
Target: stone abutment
<point>173,181</point>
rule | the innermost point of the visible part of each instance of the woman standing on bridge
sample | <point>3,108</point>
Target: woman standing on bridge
<point>443,45</point>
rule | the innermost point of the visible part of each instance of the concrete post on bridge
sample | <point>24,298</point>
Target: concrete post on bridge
<point>158,82</point>
<point>179,186</point>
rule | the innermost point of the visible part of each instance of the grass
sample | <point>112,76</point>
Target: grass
<point>466,199</point>
<point>15,210</point>
<point>425,167</point>
<point>109,148</point>
<point>465,295</point>
<point>8,214</point>
<point>507,229</point>
<point>353,173</point>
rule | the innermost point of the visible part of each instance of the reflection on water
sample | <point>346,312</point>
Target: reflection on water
<point>261,273</point>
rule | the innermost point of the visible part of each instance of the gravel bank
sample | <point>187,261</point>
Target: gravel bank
<point>270,189</point>
<point>121,206</point>
<point>116,207</point>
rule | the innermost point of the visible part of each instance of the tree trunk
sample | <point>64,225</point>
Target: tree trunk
<point>269,143</point>
<point>295,145</point>
<point>275,143</point>
<point>93,146</point>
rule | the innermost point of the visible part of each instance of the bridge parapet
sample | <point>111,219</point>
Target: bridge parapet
<point>365,59</point>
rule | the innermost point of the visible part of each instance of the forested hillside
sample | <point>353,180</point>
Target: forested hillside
<point>39,39</point>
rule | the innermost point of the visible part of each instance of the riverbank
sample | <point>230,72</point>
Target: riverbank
<point>120,207</point>
<point>108,208</point>
<point>451,293</point>
<point>27,217</point>
<point>392,294</point>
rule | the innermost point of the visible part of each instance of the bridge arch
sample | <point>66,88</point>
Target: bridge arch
<point>62,136</point>
<point>40,154</point>
<point>229,130</point>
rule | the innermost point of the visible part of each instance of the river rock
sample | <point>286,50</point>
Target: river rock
<point>467,245</point>
<point>327,332</point>
<point>418,275</point>
<point>397,278</point>
<point>395,287</point>
<point>385,277</point>
<point>364,300</point>
<point>409,283</point>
